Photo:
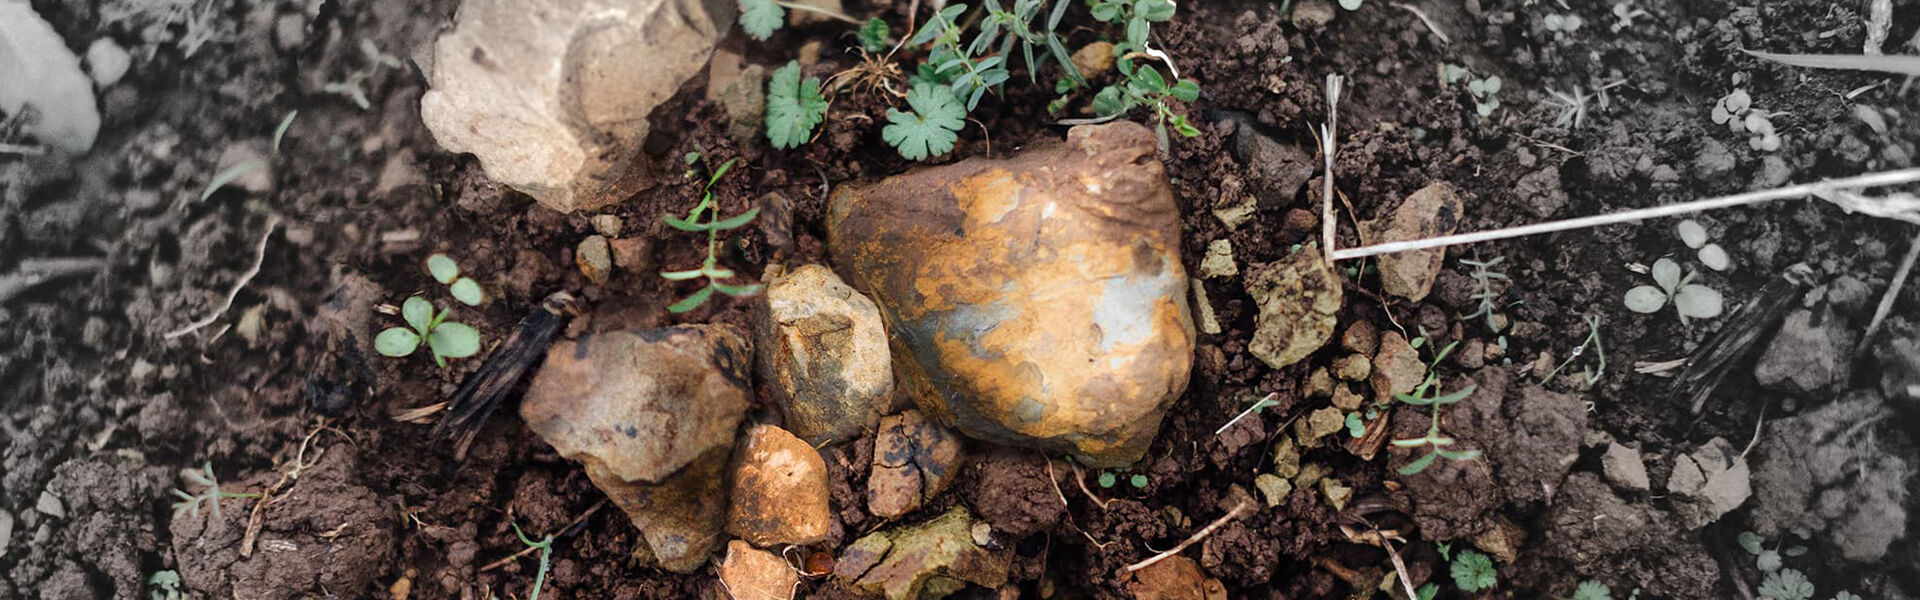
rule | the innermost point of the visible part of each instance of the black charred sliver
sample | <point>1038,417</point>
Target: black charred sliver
<point>482,392</point>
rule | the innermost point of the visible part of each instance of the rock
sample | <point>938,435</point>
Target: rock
<point>1235,206</point>
<point>107,62</point>
<point>1219,260</point>
<point>1318,424</point>
<point>1310,15</point>
<point>1361,337</point>
<point>1277,169</point>
<point>780,492</point>
<point>1176,578</point>
<point>594,258</point>
<point>1286,458</point>
<point>608,226</point>
<point>1542,192</point>
<point>1397,368</point>
<point>752,573</point>
<point>1834,471</point>
<point>1344,398</point>
<point>1336,492</point>
<point>1713,160</point>
<point>548,94</point>
<point>913,460</point>
<point>968,263</point>
<point>802,17</point>
<point>50,505</point>
<point>1093,60</point>
<point>822,355</point>
<point>1624,469</point>
<point>651,415</point>
<point>1320,383</point>
<point>629,253</point>
<point>1708,483</point>
<point>931,560</point>
<point>1807,355</point>
<point>1898,355</point>
<point>1298,296</point>
<point>1273,488</point>
<point>1352,367</point>
<point>745,100</point>
<point>1433,211</point>
<point>1502,540</point>
<point>1203,309</point>
<point>42,73</point>
<point>6,528</point>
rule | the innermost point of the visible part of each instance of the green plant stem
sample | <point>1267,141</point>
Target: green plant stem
<point>546,552</point>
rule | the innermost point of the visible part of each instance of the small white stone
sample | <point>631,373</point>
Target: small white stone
<point>107,62</point>
<point>49,505</point>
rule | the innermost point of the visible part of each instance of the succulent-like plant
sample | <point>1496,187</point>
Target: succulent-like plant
<point>425,324</point>
<point>1690,300</point>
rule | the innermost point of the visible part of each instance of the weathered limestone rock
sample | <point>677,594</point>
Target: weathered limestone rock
<point>754,574</point>
<point>651,415</point>
<point>913,460</point>
<point>1433,211</point>
<point>553,95</point>
<point>1298,296</point>
<point>1176,578</point>
<point>823,354</point>
<point>779,490</point>
<point>1397,367</point>
<point>1710,482</point>
<point>931,560</point>
<point>1034,301</point>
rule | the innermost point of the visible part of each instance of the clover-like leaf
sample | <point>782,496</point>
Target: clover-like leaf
<point>1768,561</point>
<point>794,107</point>
<point>933,126</point>
<point>1697,302</point>
<point>873,35</point>
<point>1592,590</point>
<point>418,312</point>
<point>454,340</point>
<point>442,268</point>
<point>1751,542</point>
<point>467,291</point>
<point>761,17</point>
<point>1786,584</point>
<point>1646,299</point>
<point>396,342</point>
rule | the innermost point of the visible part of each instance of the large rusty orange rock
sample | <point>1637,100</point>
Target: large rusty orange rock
<point>1037,300</point>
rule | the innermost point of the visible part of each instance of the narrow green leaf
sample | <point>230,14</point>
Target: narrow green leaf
<point>1456,396</point>
<point>681,275</point>
<point>737,290</point>
<point>683,224</point>
<point>234,172</point>
<point>734,221</point>
<point>692,302</point>
<point>281,131</point>
<point>1418,465</point>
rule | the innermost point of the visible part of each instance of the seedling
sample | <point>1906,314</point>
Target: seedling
<point>1352,4</point>
<point>351,87</point>
<point>1690,300</point>
<point>546,552</point>
<point>166,585</point>
<point>1473,571</point>
<point>1593,340</point>
<point>1695,236</point>
<point>933,126</point>
<point>1624,13</point>
<point>1736,111</point>
<point>1144,86</point>
<point>1563,25</point>
<point>210,494</point>
<point>445,339</point>
<point>874,34</point>
<point>1108,479</point>
<point>710,269</point>
<point>1438,446</point>
<point>1483,293</point>
<point>1592,590</point>
<point>760,18</point>
<point>1485,91</point>
<point>794,107</point>
<point>1781,583</point>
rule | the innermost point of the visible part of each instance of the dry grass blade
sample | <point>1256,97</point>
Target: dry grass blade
<point>1898,65</point>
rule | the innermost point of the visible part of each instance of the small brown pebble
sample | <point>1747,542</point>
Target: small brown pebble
<point>1472,354</point>
<point>1299,220</point>
<point>819,564</point>
<point>629,253</point>
<point>1344,398</point>
<point>1352,367</point>
<point>1319,383</point>
<point>594,259</point>
<point>1360,337</point>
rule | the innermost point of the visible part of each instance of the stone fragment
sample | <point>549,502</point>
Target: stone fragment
<point>1298,296</point>
<point>1708,483</point>
<point>629,253</point>
<point>1320,383</point>
<point>913,460</point>
<point>42,73</point>
<point>1433,211</point>
<point>651,415</point>
<point>1336,492</point>
<point>1345,398</point>
<point>1094,59</point>
<point>1276,168</point>
<point>1624,469</point>
<point>1219,260</point>
<point>1829,471</point>
<point>745,100</point>
<point>802,17</point>
<point>1502,540</point>
<point>107,62</point>
<point>6,528</point>
<point>1361,337</point>
<point>1311,15</point>
<point>608,225</point>
<point>1035,301</point>
<point>752,573</point>
<point>549,96</point>
<point>1352,367</point>
<point>1808,354</point>
<point>822,355</point>
<point>1273,488</point>
<point>595,259</point>
<point>1286,458</point>
<point>1176,578</point>
<point>780,492</point>
<point>50,505</point>
<point>1397,368</point>
<point>1318,424</point>
<point>1203,309</point>
<point>930,560</point>
<point>1235,206</point>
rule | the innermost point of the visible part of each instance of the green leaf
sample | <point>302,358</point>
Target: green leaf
<point>454,340</point>
<point>1150,80</point>
<point>1418,464</point>
<point>1456,396</point>
<point>442,268</point>
<point>736,290</point>
<point>721,172</point>
<point>933,126</point>
<point>794,107</point>
<point>225,177</point>
<point>735,221</point>
<point>1592,590</point>
<point>1107,480</point>
<point>1473,571</point>
<point>1107,12</point>
<point>1351,4</point>
<point>1645,299</point>
<point>1110,101</point>
<point>1356,427</point>
<point>467,291</point>
<point>1768,561</point>
<point>1154,10</point>
<point>1138,481</point>
<point>692,302</point>
<point>1786,584</point>
<point>280,132</point>
<point>1187,90</point>
<point>761,17</point>
<point>418,312</point>
<point>396,342</point>
<point>1698,302</point>
<point>873,35</point>
<point>1667,274</point>
<point>683,224</point>
<point>1137,29</point>
<point>1458,455</point>
<point>681,275</point>
<point>1428,591</point>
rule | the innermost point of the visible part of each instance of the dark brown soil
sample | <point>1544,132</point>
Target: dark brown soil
<point>103,410</point>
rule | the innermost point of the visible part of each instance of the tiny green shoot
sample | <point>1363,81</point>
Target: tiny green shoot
<point>1473,571</point>
<point>210,493</point>
<point>1690,300</point>
<point>546,554</point>
<point>794,107</point>
<point>710,269</point>
<point>1438,446</point>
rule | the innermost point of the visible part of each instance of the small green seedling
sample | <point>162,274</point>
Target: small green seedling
<point>1563,25</point>
<point>425,324</point>
<point>710,268</point>
<point>545,545</point>
<point>1473,571</point>
<point>794,107</point>
<point>1438,446</point>
<point>1108,479</point>
<point>210,493</point>
<point>1695,236</point>
<point>1592,590</point>
<point>1690,300</point>
<point>1624,13</point>
<point>933,126</point>
<point>1786,584</point>
<point>873,35</point>
<point>1592,374</point>
<point>1484,295</point>
<point>1427,591</point>
<point>1485,91</point>
<point>166,585</point>
<point>447,272</point>
<point>1143,85</point>
<point>1352,5</point>
<point>1736,111</point>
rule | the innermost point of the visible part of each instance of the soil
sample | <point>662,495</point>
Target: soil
<point>105,409</point>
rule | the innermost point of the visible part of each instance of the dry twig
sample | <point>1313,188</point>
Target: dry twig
<point>1238,511</point>
<point>259,258</point>
<point>1887,299</point>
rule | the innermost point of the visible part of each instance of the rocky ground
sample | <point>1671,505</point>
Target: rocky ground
<point>1021,370</point>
